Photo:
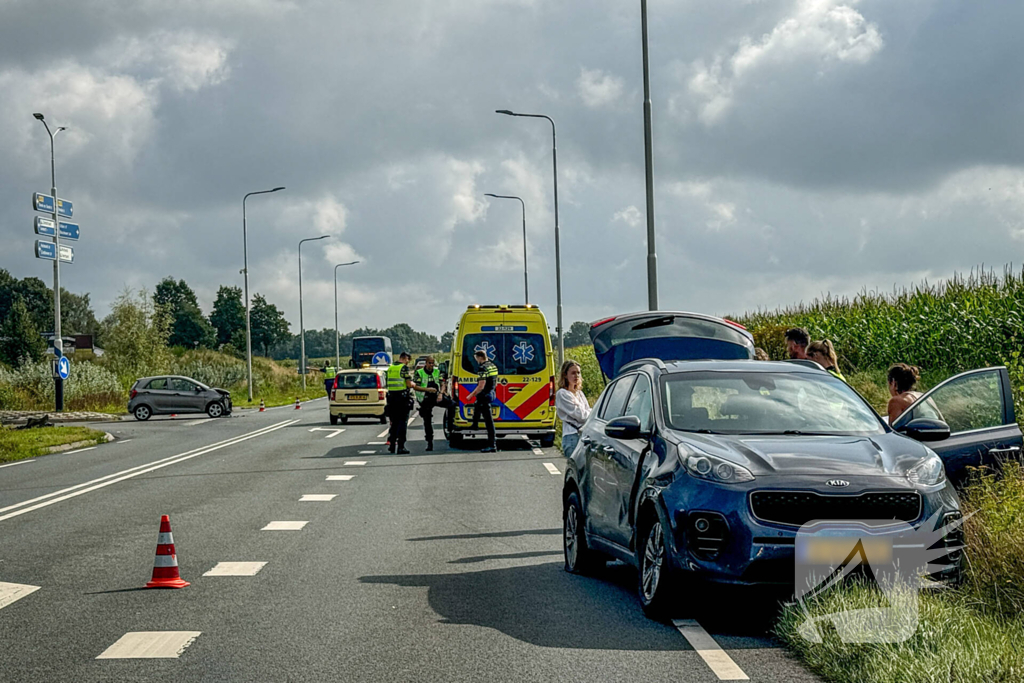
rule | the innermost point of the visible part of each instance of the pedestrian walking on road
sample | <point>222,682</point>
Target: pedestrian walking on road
<point>902,380</point>
<point>797,340</point>
<point>824,354</point>
<point>484,396</point>
<point>571,405</point>
<point>329,374</point>
<point>428,377</point>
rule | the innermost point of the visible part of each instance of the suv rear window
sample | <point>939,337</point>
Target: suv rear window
<point>357,380</point>
<point>513,353</point>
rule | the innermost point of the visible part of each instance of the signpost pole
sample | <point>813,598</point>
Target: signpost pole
<point>58,342</point>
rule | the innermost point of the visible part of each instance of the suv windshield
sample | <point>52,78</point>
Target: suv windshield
<point>766,403</point>
<point>513,353</point>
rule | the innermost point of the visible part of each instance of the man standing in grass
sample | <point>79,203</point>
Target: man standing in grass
<point>797,340</point>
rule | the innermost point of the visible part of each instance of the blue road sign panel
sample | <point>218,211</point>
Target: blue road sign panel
<point>45,226</point>
<point>46,250</point>
<point>42,202</point>
<point>65,209</point>
<point>68,231</point>
<point>63,367</point>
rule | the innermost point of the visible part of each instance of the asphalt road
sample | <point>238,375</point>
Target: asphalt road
<point>441,566</point>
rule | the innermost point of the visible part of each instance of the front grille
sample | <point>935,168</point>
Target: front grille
<point>797,508</point>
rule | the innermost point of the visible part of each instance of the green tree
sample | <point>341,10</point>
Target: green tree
<point>447,339</point>
<point>188,326</point>
<point>135,334</point>
<point>228,315</point>
<point>269,327</point>
<point>578,334</point>
<point>20,341</point>
<point>76,315</point>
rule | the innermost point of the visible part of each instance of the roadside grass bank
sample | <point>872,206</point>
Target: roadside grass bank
<point>970,633</point>
<point>19,444</point>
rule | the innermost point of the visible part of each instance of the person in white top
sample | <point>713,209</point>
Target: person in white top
<point>571,405</point>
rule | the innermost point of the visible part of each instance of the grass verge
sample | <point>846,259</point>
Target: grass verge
<point>18,444</point>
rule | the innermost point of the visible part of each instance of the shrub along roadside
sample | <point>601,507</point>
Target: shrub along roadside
<point>18,444</point>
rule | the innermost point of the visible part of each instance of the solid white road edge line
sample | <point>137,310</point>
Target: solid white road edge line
<point>11,592</point>
<point>79,450</point>
<point>134,472</point>
<point>12,464</point>
<point>551,468</point>
<point>713,655</point>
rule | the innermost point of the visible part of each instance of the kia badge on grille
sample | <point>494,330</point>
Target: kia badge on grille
<point>838,483</point>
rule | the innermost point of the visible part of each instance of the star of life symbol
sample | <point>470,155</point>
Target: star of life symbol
<point>522,353</point>
<point>898,558</point>
<point>487,348</point>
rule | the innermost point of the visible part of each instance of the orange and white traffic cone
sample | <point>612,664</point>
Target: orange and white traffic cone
<point>297,406</point>
<point>165,566</point>
<point>263,406</point>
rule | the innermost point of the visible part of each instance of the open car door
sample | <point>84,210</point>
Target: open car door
<point>667,336</point>
<point>978,407</point>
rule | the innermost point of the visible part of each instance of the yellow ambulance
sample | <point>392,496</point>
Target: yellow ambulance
<point>516,339</point>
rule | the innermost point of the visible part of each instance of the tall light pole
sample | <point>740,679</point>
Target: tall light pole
<point>652,256</point>
<point>558,257</point>
<point>526,270</point>
<point>58,341</point>
<point>245,257</point>
<point>302,327</point>
<point>337,335</point>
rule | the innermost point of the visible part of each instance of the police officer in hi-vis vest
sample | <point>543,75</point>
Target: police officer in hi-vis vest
<point>428,377</point>
<point>400,402</point>
<point>329,374</point>
<point>484,394</point>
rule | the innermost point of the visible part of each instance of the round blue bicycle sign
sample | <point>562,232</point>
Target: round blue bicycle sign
<point>63,367</point>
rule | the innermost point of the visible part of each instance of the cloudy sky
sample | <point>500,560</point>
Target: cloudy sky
<point>801,147</point>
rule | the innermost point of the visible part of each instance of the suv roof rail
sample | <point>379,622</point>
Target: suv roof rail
<point>641,362</point>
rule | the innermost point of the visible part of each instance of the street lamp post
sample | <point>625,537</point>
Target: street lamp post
<point>245,271</point>
<point>58,341</point>
<point>302,327</point>
<point>558,259</point>
<point>652,256</point>
<point>337,335</point>
<point>526,270</point>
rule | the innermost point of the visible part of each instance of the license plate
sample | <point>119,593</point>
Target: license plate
<point>357,397</point>
<point>833,551</point>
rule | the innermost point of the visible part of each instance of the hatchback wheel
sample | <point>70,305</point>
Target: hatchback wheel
<point>383,419</point>
<point>334,419</point>
<point>579,558</point>
<point>656,576</point>
<point>142,413</point>
<point>215,409</point>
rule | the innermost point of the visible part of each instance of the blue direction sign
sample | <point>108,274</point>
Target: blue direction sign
<point>65,209</point>
<point>45,226</point>
<point>68,231</point>
<point>42,202</point>
<point>63,367</point>
<point>46,250</point>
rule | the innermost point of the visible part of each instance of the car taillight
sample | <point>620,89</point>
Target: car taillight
<point>381,394</point>
<point>133,394</point>
<point>332,393</point>
<point>551,392</point>
<point>455,390</point>
<point>734,323</point>
<point>602,322</point>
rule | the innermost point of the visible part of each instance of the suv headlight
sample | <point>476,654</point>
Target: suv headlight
<point>929,472</point>
<point>706,466</point>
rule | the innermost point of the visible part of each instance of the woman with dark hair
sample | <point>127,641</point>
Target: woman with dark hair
<point>822,353</point>
<point>902,380</point>
<point>571,405</point>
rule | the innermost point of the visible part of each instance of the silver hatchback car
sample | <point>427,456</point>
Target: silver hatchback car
<point>171,394</point>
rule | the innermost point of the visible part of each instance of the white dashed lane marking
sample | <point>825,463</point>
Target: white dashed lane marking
<point>383,434</point>
<point>236,569</point>
<point>551,468</point>
<point>150,645</point>
<point>376,443</point>
<point>339,477</point>
<point>20,462</point>
<point>284,526</point>
<point>80,450</point>
<point>537,451</point>
<point>11,592</point>
<point>317,497</point>
<point>713,655</point>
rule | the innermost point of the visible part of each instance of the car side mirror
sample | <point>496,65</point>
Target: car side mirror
<point>623,428</point>
<point>925,429</point>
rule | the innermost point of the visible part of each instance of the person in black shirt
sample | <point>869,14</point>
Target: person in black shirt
<point>484,394</point>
